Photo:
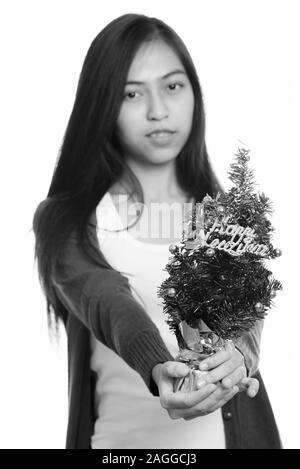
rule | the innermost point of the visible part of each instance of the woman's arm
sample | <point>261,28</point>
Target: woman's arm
<point>101,298</point>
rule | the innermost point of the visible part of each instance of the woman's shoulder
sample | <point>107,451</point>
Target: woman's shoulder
<point>42,205</point>
<point>40,212</point>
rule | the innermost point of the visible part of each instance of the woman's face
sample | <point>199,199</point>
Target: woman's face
<point>156,115</point>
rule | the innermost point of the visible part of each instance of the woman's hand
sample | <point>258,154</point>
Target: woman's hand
<point>188,405</point>
<point>225,377</point>
<point>228,367</point>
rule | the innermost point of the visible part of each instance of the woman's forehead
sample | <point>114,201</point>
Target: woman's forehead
<point>154,60</point>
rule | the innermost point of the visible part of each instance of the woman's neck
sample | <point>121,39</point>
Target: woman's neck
<point>159,183</point>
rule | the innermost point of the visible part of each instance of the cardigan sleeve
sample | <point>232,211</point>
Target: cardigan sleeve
<point>249,346</point>
<point>102,300</point>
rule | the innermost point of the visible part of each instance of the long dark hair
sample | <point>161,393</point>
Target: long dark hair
<point>90,158</point>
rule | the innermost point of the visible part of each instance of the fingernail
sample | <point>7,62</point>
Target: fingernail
<point>227,382</point>
<point>203,366</point>
<point>251,393</point>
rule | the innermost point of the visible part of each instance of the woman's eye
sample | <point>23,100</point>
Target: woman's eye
<point>131,95</point>
<point>175,86</point>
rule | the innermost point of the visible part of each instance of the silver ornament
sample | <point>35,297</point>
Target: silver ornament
<point>272,294</point>
<point>171,292</point>
<point>210,252</point>
<point>277,252</point>
<point>259,307</point>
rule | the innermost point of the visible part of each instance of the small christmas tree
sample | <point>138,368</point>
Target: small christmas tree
<point>217,274</point>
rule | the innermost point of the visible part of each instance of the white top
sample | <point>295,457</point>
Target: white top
<point>129,416</point>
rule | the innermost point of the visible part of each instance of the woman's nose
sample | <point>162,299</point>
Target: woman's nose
<point>157,109</point>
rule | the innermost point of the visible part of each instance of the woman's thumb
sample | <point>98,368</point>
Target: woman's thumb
<point>178,370</point>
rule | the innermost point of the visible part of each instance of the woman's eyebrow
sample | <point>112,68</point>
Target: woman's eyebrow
<point>174,72</point>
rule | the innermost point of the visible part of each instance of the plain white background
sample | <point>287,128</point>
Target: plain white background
<point>247,57</point>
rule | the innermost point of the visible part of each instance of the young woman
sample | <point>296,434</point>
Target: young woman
<point>136,135</point>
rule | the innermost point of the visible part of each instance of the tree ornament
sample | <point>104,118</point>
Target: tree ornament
<point>277,252</point>
<point>221,209</point>
<point>172,248</point>
<point>209,221</point>
<point>272,294</point>
<point>171,292</point>
<point>210,252</point>
<point>259,307</point>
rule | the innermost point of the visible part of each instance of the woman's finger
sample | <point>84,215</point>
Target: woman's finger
<point>233,391</point>
<point>169,371</point>
<point>215,360</point>
<point>218,373</point>
<point>185,400</point>
<point>252,385</point>
<point>229,352</point>
<point>235,377</point>
<point>217,399</point>
<point>220,395</point>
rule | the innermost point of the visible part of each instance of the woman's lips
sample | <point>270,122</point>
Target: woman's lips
<point>161,136</point>
<point>160,131</point>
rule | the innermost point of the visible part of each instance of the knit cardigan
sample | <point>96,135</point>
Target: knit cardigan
<point>98,300</point>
